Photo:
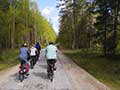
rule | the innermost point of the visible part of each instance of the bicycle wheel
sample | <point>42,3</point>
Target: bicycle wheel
<point>51,74</point>
<point>21,77</point>
<point>31,63</point>
<point>51,78</point>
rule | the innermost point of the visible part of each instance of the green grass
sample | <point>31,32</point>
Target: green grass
<point>8,58</point>
<point>107,70</point>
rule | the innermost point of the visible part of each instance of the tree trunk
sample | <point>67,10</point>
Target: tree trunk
<point>13,25</point>
<point>74,44</point>
<point>115,26</point>
<point>12,33</point>
<point>105,32</point>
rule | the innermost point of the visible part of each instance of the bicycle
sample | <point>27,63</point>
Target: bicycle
<point>22,71</point>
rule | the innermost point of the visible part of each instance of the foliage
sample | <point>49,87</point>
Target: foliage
<point>97,24</point>
<point>21,21</point>
<point>8,59</point>
<point>104,69</point>
<point>107,24</point>
<point>84,25</point>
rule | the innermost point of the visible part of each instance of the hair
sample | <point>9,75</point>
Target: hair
<point>50,43</point>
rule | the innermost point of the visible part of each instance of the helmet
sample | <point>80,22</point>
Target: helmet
<point>24,45</point>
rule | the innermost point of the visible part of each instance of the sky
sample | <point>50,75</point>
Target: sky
<point>49,11</point>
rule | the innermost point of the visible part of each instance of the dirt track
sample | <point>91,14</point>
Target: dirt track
<point>67,77</point>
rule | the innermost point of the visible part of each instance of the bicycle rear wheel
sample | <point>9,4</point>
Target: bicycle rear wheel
<point>51,78</point>
<point>21,77</point>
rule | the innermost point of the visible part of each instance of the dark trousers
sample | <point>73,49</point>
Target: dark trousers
<point>50,61</point>
<point>33,60</point>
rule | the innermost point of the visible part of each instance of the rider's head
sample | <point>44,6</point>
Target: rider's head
<point>37,42</point>
<point>24,45</point>
<point>50,43</point>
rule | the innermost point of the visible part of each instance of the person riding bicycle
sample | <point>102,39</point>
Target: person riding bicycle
<point>38,47</point>
<point>23,56</point>
<point>33,53</point>
<point>51,55</point>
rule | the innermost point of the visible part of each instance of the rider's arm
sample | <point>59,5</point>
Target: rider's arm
<point>45,52</point>
<point>28,52</point>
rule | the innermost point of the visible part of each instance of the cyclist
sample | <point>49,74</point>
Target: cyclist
<point>38,47</point>
<point>33,53</point>
<point>51,55</point>
<point>23,56</point>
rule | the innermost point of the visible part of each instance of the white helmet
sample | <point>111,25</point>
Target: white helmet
<point>24,44</point>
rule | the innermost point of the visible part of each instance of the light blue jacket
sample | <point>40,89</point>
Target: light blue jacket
<point>51,52</point>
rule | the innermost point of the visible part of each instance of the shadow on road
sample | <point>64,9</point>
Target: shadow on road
<point>43,66</point>
<point>41,74</point>
<point>15,77</point>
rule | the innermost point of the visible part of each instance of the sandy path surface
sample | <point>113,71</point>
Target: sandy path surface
<point>68,76</point>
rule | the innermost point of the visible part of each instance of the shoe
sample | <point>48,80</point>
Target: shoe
<point>27,74</point>
<point>54,69</point>
<point>48,75</point>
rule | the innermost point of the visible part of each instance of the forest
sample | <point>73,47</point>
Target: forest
<point>93,24</point>
<point>22,22</point>
<point>89,34</point>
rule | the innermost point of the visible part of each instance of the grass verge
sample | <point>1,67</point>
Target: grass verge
<point>8,58</point>
<point>106,70</point>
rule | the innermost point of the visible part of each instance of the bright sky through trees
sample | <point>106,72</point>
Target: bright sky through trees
<point>49,10</point>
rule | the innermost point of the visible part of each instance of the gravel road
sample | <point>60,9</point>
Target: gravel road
<point>68,76</point>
